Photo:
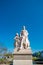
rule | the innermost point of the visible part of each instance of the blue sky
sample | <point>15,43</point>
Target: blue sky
<point>16,13</point>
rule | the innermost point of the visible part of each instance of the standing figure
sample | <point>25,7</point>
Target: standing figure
<point>24,38</point>
<point>17,40</point>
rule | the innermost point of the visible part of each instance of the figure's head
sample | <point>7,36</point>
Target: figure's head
<point>16,34</point>
<point>24,31</point>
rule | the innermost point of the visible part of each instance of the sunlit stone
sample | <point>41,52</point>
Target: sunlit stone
<point>22,52</point>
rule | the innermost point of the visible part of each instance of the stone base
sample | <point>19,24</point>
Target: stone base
<point>23,57</point>
<point>22,62</point>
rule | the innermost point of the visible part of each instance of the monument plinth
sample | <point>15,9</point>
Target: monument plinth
<point>22,52</point>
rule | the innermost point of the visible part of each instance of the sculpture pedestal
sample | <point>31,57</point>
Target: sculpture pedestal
<point>23,57</point>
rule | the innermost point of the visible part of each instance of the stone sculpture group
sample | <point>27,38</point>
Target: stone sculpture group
<point>22,52</point>
<point>21,41</point>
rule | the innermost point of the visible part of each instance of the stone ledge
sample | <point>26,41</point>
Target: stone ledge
<point>22,57</point>
<point>23,51</point>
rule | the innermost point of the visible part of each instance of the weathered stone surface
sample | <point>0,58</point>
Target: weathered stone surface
<point>22,62</point>
<point>23,51</point>
<point>23,57</point>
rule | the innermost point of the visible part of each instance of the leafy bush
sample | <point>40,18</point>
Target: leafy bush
<point>34,58</point>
